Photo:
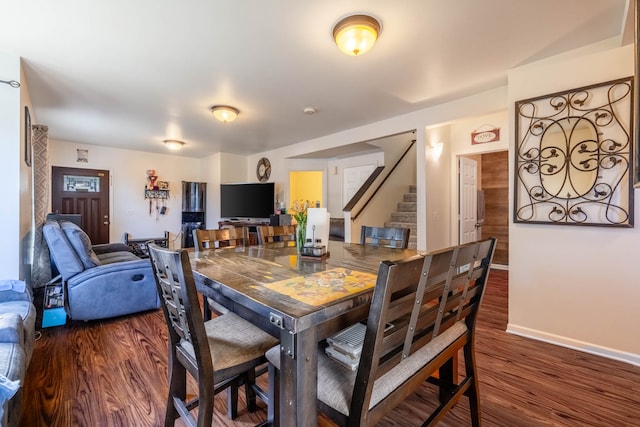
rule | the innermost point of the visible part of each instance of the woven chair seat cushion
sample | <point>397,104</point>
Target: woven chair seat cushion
<point>335,381</point>
<point>235,344</point>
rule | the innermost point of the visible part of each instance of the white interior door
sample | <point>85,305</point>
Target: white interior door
<point>468,194</point>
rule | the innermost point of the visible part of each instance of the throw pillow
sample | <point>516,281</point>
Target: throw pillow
<point>81,244</point>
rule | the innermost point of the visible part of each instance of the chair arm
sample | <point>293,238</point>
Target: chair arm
<point>111,290</point>
<point>142,266</point>
<point>110,247</point>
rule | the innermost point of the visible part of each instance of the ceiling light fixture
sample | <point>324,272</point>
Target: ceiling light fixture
<point>356,34</point>
<point>173,144</point>
<point>224,113</point>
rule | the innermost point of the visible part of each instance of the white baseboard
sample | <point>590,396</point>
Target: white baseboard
<point>631,358</point>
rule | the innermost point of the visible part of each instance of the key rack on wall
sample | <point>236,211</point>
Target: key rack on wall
<point>158,191</point>
<point>156,194</point>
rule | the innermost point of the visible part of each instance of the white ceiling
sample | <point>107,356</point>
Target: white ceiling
<point>130,74</point>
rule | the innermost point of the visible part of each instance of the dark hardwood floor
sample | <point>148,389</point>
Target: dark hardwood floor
<point>114,373</point>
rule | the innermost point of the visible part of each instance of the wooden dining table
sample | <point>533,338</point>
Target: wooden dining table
<point>297,299</point>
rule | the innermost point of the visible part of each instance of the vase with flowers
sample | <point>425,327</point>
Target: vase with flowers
<point>299,213</point>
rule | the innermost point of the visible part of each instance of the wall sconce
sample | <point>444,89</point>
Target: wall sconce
<point>436,150</point>
<point>224,113</point>
<point>356,34</point>
<point>173,144</point>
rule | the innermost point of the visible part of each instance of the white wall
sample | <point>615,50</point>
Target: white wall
<point>129,209</point>
<point>212,175</point>
<point>234,168</point>
<point>15,175</point>
<point>438,219</point>
<point>335,181</point>
<point>576,286</point>
<point>11,170</point>
<point>26,184</point>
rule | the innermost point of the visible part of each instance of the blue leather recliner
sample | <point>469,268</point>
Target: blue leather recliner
<point>100,281</point>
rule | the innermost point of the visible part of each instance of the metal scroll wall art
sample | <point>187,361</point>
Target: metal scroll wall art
<point>573,157</point>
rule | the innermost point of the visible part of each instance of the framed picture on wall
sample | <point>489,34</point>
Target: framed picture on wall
<point>27,136</point>
<point>573,157</point>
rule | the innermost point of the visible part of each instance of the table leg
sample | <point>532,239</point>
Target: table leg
<point>299,381</point>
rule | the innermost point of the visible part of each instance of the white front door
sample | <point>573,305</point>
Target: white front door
<point>468,194</point>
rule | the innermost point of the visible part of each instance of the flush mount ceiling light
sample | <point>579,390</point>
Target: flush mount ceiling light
<point>224,113</point>
<point>356,34</point>
<point>173,144</point>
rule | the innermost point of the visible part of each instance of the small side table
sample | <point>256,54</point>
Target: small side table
<point>53,312</point>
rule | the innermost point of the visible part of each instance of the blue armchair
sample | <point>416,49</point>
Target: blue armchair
<point>100,281</point>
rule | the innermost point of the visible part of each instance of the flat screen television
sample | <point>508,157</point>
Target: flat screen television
<point>251,200</point>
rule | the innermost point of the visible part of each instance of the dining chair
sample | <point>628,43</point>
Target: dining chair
<point>212,239</point>
<point>423,311</point>
<point>269,234</point>
<point>226,237</point>
<point>393,237</point>
<point>219,354</point>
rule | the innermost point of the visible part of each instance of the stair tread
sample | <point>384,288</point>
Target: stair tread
<point>411,225</point>
<point>406,216</point>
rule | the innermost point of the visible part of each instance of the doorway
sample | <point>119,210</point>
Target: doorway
<point>306,186</point>
<point>493,186</point>
<point>84,192</point>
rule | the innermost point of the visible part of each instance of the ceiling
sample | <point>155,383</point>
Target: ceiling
<point>130,74</point>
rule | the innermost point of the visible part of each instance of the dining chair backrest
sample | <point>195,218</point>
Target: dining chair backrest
<point>393,237</point>
<point>181,307</point>
<point>423,311</point>
<point>201,348</point>
<point>226,237</point>
<point>269,234</point>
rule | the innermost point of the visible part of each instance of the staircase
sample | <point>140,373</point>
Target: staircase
<point>406,216</point>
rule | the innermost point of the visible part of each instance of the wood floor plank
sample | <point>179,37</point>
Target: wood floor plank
<point>114,373</point>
